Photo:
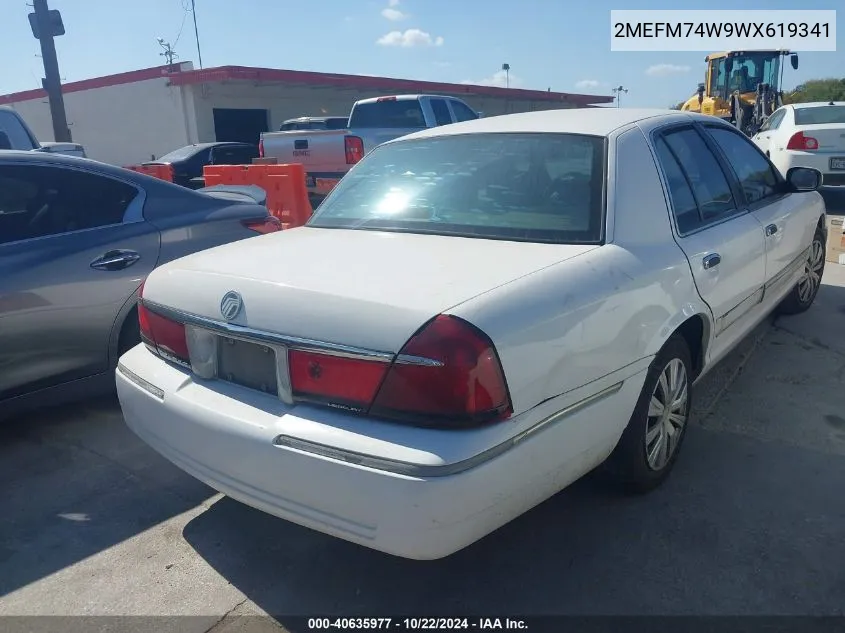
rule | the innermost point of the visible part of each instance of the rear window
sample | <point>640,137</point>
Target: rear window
<point>13,135</point>
<point>181,154</point>
<point>820,115</point>
<point>401,113</point>
<point>526,187</point>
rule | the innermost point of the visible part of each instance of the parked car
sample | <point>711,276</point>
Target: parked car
<point>327,155</point>
<point>77,238</point>
<point>187,162</point>
<point>14,132</point>
<point>68,149</point>
<point>315,123</point>
<point>487,311</point>
<point>807,135</point>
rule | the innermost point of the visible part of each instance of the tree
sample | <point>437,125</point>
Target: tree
<point>817,90</point>
<point>677,106</point>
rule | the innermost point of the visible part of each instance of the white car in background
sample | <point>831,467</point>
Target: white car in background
<point>478,315</point>
<point>807,135</point>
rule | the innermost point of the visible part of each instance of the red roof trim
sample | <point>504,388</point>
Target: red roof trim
<point>245,73</point>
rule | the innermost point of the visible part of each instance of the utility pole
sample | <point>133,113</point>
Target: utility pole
<point>196,31</point>
<point>47,24</point>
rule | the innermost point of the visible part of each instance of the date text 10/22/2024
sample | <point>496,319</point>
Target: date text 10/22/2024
<point>417,624</point>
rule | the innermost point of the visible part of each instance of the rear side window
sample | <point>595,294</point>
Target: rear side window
<point>399,113</point>
<point>338,123</point>
<point>684,205</point>
<point>820,115</point>
<point>462,111</point>
<point>13,135</point>
<point>526,187</point>
<point>442,116</point>
<point>36,201</point>
<point>702,171</point>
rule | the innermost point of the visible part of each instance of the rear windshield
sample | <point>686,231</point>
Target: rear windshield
<point>820,115</point>
<point>181,154</point>
<point>401,113</point>
<point>526,187</point>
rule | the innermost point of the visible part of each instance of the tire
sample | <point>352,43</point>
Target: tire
<point>638,464</point>
<point>802,296</point>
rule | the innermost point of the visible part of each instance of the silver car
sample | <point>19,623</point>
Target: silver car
<point>77,239</point>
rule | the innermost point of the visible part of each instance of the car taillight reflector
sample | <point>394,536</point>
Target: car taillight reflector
<point>347,382</point>
<point>161,335</point>
<point>270,224</point>
<point>261,148</point>
<point>801,142</point>
<point>354,149</point>
<point>447,374</point>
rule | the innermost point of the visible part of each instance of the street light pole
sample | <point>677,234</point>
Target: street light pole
<point>507,69</point>
<point>46,25</point>
<point>618,91</point>
<point>196,31</point>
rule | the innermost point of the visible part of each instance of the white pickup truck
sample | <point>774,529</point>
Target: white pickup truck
<point>328,154</point>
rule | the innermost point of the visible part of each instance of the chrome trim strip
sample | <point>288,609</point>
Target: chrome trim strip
<point>738,311</point>
<point>418,470</point>
<point>787,271</point>
<point>140,382</point>
<point>407,359</point>
<point>270,338</point>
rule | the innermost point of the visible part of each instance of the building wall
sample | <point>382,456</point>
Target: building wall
<point>122,124</point>
<point>291,101</point>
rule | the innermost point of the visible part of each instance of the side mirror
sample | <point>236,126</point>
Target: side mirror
<point>794,61</point>
<point>804,178</point>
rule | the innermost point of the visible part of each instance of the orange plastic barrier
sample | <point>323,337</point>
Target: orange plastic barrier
<point>162,172</point>
<point>287,195</point>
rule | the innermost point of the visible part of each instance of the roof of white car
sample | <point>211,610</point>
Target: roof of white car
<point>591,121</point>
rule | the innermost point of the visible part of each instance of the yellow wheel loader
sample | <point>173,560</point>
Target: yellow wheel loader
<point>743,87</point>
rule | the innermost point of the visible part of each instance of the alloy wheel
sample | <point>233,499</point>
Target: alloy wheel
<point>812,277</point>
<point>667,414</point>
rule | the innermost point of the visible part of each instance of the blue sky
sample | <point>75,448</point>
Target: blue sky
<point>559,44</point>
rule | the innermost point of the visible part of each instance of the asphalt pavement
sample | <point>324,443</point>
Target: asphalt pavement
<point>750,523</point>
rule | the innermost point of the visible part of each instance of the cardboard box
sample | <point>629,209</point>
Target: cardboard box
<point>835,241</point>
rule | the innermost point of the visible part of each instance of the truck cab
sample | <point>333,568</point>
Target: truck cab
<point>14,132</point>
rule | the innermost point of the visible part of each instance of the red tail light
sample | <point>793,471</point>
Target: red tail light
<point>341,381</point>
<point>800,142</point>
<point>448,373</point>
<point>261,148</point>
<point>162,336</point>
<point>270,224</point>
<point>354,149</point>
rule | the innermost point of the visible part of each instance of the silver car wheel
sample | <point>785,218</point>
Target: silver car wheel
<point>667,414</point>
<point>810,280</point>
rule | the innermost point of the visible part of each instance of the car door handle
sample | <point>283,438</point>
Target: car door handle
<point>711,261</point>
<point>115,260</point>
<point>771,229</point>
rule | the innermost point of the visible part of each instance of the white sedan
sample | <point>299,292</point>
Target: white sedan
<point>807,135</point>
<point>477,316</point>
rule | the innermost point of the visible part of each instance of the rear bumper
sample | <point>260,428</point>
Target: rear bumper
<point>784,160</point>
<point>232,444</point>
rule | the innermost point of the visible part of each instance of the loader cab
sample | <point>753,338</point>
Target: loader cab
<point>737,73</point>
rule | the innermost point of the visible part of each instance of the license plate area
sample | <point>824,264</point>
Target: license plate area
<point>837,163</point>
<point>248,364</point>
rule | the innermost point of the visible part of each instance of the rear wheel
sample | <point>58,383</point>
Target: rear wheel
<point>804,293</point>
<point>650,444</point>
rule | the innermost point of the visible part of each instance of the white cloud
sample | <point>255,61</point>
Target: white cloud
<point>499,79</point>
<point>394,15</point>
<point>409,38</point>
<point>587,84</point>
<point>393,3</point>
<point>662,70</point>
